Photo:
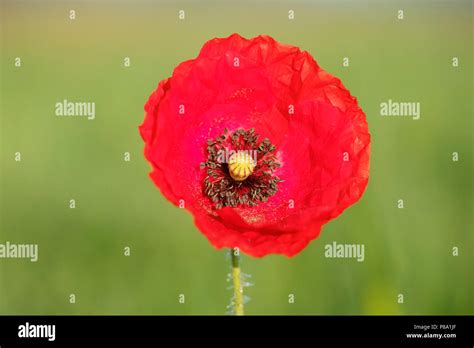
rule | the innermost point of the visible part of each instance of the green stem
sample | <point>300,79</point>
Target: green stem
<point>237,282</point>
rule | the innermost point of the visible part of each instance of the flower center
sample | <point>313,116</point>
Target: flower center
<point>240,169</point>
<point>241,165</point>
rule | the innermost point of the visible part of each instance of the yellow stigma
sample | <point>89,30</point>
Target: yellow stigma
<point>241,165</point>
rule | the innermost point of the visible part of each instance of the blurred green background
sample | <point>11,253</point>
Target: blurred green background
<point>81,251</point>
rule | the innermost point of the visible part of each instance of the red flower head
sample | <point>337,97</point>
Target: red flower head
<point>258,142</point>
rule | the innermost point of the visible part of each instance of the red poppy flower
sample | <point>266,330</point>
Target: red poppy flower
<point>258,142</point>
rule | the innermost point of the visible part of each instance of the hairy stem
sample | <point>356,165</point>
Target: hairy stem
<point>237,282</point>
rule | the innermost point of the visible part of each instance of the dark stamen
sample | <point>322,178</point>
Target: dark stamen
<point>221,188</point>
